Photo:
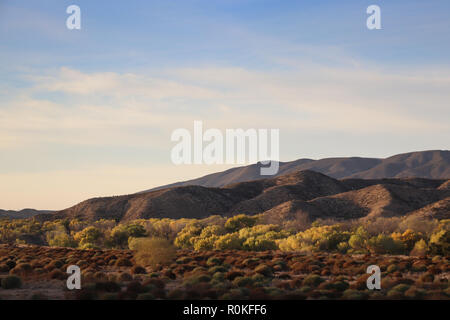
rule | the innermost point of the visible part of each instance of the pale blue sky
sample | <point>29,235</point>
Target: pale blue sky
<point>89,112</point>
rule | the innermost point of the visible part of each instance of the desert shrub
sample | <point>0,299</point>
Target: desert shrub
<point>358,240</point>
<point>212,230</point>
<point>340,285</point>
<point>154,251</point>
<point>343,247</point>
<point>381,225</point>
<point>204,243</point>
<point>243,281</point>
<point>231,275</point>
<point>218,276</point>
<point>11,282</point>
<point>251,262</point>
<point>240,221</point>
<point>197,279</point>
<point>420,248</point>
<point>229,241</point>
<point>89,238</point>
<point>215,269</point>
<point>414,293</point>
<point>419,266</point>
<point>407,238</point>
<point>121,234</point>
<point>385,244</point>
<point>418,224</point>
<point>258,244</point>
<point>162,228</point>
<point>183,239</point>
<point>77,225</point>
<point>214,261</point>
<point>398,291</point>
<point>269,232</point>
<point>313,280</point>
<point>316,238</point>
<point>54,264</point>
<point>427,277</point>
<point>440,242</point>
<point>138,270</point>
<point>60,238</point>
<point>123,262</point>
<point>264,270</point>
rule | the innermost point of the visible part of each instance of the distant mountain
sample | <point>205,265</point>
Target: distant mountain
<point>308,193</point>
<point>433,164</point>
<point>22,214</point>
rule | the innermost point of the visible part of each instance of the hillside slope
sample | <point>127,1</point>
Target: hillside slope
<point>307,192</point>
<point>434,164</point>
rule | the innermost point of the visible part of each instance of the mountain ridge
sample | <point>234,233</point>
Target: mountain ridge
<point>431,164</point>
<point>310,193</point>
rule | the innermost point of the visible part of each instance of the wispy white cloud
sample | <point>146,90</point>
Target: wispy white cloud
<point>105,108</point>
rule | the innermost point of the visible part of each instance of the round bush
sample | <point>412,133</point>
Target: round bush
<point>123,262</point>
<point>213,261</point>
<point>138,270</point>
<point>243,281</point>
<point>312,280</point>
<point>215,269</point>
<point>264,269</point>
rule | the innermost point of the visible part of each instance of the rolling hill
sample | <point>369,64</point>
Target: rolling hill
<point>434,164</point>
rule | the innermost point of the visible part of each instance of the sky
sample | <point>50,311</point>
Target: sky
<point>90,112</point>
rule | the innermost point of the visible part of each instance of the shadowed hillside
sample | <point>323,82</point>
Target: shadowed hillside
<point>424,164</point>
<point>302,192</point>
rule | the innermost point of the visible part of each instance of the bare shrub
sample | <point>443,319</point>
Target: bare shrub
<point>382,225</point>
<point>418,224</point>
